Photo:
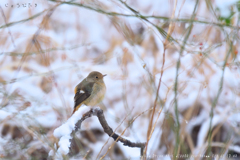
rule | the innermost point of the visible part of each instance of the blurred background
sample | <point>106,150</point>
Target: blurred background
<point>172,68</point>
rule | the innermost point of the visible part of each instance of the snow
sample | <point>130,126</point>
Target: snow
<point>224,6</point>
<point>3,114</point>
<point>68,126</point>
<point>63,132</point>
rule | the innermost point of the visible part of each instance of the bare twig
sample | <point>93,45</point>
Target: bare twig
<point>167,19</point>
<point>115,131</point>
<point>9,32</point>
<point>214,103</point>
<point>150,127</point>
<point>23,20</point>
<point>107,129</point>
<point>124,132</point>
<point>29,47</point>
<point>44,51</point>
<point>177,145</point>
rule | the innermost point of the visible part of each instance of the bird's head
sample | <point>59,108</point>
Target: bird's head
<point>95,76</point>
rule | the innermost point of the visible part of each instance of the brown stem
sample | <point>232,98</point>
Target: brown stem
<point>107,129</point>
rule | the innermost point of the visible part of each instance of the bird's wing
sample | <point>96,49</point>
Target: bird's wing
<point>82,92</point>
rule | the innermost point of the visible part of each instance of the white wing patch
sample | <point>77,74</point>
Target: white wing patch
<point>81,91</point>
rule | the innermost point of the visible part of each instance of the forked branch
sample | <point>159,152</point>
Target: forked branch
<point>107,129</point>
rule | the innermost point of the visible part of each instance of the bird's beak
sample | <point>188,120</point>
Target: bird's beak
<point>104,75</point>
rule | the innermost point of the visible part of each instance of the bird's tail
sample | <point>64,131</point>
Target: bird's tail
<point>76,108</point>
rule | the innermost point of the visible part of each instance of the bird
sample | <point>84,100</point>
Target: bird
<point>90,91</point>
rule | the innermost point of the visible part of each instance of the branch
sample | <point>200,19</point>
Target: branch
<point>167,19</point>
<point>23,20</point>
<point>107,129</point>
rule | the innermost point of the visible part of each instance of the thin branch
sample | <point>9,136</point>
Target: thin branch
<point>217,97</point>
<point>44,51</point>
<point>176,149</point>
<point>137,14</point>
<point>29,47</point>
<point>115,131</point>
<point>124,132</point>
<point>154,17</point>
<point>150,128</point>
<point>107,129</point>
<point>23,20</point>
<point>9,32</point>
<point>36,75</point>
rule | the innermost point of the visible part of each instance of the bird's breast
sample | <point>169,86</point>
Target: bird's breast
<point>97,95</point>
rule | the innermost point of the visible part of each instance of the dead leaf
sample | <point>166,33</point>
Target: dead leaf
<point>46,85</point>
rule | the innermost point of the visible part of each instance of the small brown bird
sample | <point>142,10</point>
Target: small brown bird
<point>90,91</point>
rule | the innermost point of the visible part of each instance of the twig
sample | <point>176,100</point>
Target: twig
<point>36,75</point>
<point>142,154</point>
<point>177,145</point>
<point>150,128</point>
<point>107,129</point>
<point>149,16</point>
<point>29,47</point>
<point>9,32</point>
<point>115,131</point>
<point>23,20</point>
<point>214,103</point>
<point>44,51</point>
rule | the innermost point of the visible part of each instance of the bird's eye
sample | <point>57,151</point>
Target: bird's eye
<point>96,77</point>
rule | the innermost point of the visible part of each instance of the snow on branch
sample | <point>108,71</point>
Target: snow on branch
<point>66,133</point>
<point>107,129</point>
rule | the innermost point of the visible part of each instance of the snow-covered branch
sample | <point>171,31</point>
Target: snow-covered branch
<point>107,129</point>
